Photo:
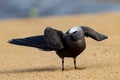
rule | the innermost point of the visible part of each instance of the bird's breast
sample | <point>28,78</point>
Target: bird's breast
<point>71,48</point>
<point>75,47</point>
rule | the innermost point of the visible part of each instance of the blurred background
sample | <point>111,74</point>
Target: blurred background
<point>41,8</point>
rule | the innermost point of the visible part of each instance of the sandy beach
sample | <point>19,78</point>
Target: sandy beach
<point>100,60</point>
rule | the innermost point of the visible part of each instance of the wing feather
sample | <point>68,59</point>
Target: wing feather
<point>53,37</point>
<point>89,32</point>
<point>51,40</point>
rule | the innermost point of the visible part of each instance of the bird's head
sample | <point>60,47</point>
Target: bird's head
<point>76,33</point>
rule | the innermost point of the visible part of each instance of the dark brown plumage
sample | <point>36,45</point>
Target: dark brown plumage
<point>70,44</point>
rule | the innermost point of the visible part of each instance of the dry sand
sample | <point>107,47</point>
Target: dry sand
<point>100,60</point>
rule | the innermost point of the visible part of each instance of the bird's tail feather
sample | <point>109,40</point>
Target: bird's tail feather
<point>31,42</point>
<point>22,42</point>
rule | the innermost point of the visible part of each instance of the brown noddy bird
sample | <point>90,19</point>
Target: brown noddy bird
<point>70,44</point>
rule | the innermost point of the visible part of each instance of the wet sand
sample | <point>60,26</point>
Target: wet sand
<point>100,60</point>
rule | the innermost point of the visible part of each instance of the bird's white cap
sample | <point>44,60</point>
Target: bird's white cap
<point>76,28</point>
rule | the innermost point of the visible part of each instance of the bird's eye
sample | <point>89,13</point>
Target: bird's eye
<point>75,32</point>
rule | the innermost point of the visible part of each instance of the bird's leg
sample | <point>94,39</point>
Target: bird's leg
<point>62,64</point>
<point>75,63</point>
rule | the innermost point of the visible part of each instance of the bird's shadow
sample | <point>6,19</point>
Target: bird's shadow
<point>80,68</point>
<point>29,70</point>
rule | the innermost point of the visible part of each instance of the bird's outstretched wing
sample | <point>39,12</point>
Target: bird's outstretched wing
<point>89,32</point>
<point>53,37</point>
<point>51,40</point>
